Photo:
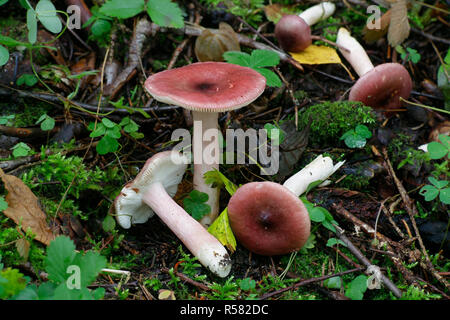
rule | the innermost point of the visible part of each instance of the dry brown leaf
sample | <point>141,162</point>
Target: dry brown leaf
<point>275,11</point>
<point>23,247</point>
<point>399,27</point>
<point>23,208</point>
<point>372,35</point>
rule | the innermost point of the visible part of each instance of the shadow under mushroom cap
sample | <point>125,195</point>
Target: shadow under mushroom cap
<point>207,86</point>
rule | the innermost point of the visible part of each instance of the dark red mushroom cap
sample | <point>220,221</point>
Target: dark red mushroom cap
<point>293,33</point>
<point>382,87</point>
<point>207,86</point>
<point>268,219</point>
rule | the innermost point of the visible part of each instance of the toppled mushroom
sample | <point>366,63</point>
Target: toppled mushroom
<point>268,219</point>
<point>207,88</point>
<point>151,192</point>
<point>379,87</point>
<point>293,32</point>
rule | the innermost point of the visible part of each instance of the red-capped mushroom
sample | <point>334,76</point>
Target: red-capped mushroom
<point>268,219</point>
<point>207,88</point>
<point>152,191</point>
<point>379,87</point>
<point>293,32</point>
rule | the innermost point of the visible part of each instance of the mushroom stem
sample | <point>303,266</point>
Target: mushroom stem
<point>318,12</point>
<point>206,158</point>
<point>209,251</point>
<point>356,55</point>
<point>319,169</point>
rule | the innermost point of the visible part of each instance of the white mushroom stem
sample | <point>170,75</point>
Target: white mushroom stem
<point>319,169</point>
<point>209,251</point>
<point>356,55</point>
<point>206,152</point>
<point>317,13</point>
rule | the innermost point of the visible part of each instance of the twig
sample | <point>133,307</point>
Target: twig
<point>407,274</point>
<point>412,212</point>
<point>309,281</point>
<point>188,280</point>
<point>387,282</point>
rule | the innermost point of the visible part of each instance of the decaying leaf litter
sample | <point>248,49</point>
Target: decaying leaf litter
<point>386,230</point>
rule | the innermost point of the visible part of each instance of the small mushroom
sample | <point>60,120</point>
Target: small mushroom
<point>151,192</point>
<point>379,87</point>
<point>207,88</point>
<point>268,219</point>
<point>293,32</point>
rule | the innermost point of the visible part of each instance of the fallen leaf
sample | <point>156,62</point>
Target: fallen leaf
<point>399,26</point>
<point>316,55</point>
<point>23,208</point>
<point>374,34</point>
<point>23,247</point>
<point>222,231</point>
<point>165,294</point>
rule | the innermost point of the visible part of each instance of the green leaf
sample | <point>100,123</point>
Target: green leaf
<point>236,57</point>
<point>438,183</point>
<point>20,150</point>
<point>27,79</point>
<point>100,27</point>
<point>114,132</point>
<point>47,122</point>
<point>109,223</point>
<point>274,133</point>
<point>429,192</point>
<point>31,25</point>
<point>3,204</point>
<point>108,123</point>
<point>264,58</point>
<point>90,265</point>
<point>217,180</point>
<point>195,204</point>
<point>165,13</point>
<point>316,215</point>
<point>60,255</point>
<point>107,144</point>
<point>4,55</point>
<point>2,2</point>
<point>272,79</point>
<point>221,229</point>
<point>11,283</point>
<point>437,150</point>
<point>355,289</point>
<point>333,283</point>
<point>122,9</point>
<point>99,131</point>
<point>46,12</point>
<point>363,131</point>
<point>333,241</point>
<point>247,284</point>
<point>444,195</point>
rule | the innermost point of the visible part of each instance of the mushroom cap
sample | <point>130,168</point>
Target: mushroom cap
<point>293,33</point>
<point>166,167</point>
<point>207,86</point>
<point>268,219</point>
<point>382,87</point>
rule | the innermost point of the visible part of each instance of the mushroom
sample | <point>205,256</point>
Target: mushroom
<point>379,87</point>
<point>207,88</point>
<point>151,192</point>
<point>293,32</point>
<point>268,218</point>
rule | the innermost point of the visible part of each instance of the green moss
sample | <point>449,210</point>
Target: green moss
<point>330,120</point>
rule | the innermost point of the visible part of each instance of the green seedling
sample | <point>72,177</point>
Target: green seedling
<point>357,138</point>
